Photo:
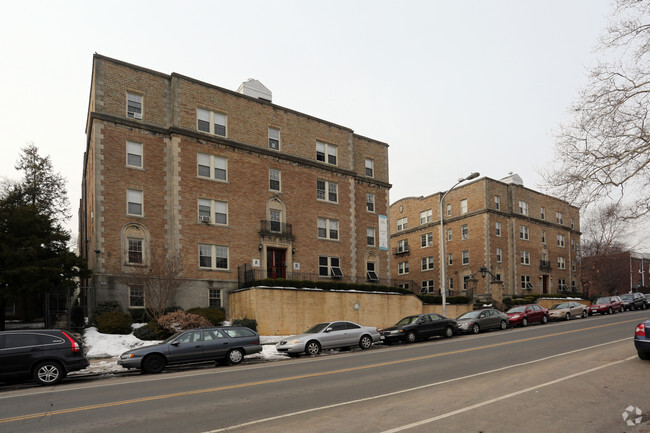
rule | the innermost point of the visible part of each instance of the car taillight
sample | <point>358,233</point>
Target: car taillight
<point>75,345</point>
<point>640,330</point>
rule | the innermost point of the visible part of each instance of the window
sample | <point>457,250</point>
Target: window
<point>523,207</point>
<point>465,279</point>
<point>426,240</point>
<point>371,274</point>
<point>133,106</point>
<point>525,258</point>
<point>370,202</point>
<point>134,202</point>
<point>426,216</point>
<point>403,246</point>
<point>370,236</point>
<point>465,257</point>
<point>524,233</point>
<point>213,256</point>
<point>214,298</point>
<point>274,179</point>
<point>464,232</point>
<point>274,138</point>
<point>448,210</point>
<point>561,264</point>
<point>542,213</point>
<point>543,236</point>
<point>497,277</point>
<point>498,229</point>
<point>499,257</point>
<point>403,268</point>
<point>497,202</point>
<point>573,224</point>
<point>451,284</point>
<point>136,297</point>
<point>450,259</point>
<point>560,241</point>
<point>402,223</point>
<point>370,167</point>
<point>212,167</point>
<point>561,284</point>
<point>135,251</point>
<point>275,216</point>
<point>327,191</point>
<point>329,267</point>
<point>573,266</point>
<point>211,122</point>
<point>326,153</point>
<point>213,211</point>
<point>573,244</point>
<point>525,282</point>
<point>328,228</point>
<point>427,287</point>
<point>559,218</point>
<point>133,154</point>
<point>426,263</point>
<point>449,235</point>
<point>463,206</point>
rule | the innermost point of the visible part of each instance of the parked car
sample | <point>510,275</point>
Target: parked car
<point>329,335</point>
<point>228,343</point>
<point>481,320</point>
<point>606,305</point>
<point>525,314</point>
<point>642,340</point>
<point>419,327</point>
<point>567,310</point>
<point>45,355</point>
<point>634,301</point>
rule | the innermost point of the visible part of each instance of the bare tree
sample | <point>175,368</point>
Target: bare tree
<point>604,153</point>
<point>160,280</point>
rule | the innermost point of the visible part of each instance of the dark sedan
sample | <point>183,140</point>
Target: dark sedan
<point>230,343</point>
<point>419,327</point>
<point>481,320</point>
<point>642,340</point>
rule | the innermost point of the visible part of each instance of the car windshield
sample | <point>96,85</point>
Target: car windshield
<point>317,328</point>
<point>519,309</point>
<point>168,339</point>
<point>602,301</point>
<point>560,306</point>
<point>628,297</point>
<point>469,315</point>
<point>407,320</point>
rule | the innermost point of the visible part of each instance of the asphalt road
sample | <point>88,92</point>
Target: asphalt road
<point>577,376</point>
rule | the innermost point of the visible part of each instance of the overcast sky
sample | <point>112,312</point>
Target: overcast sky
<point>452,86</point>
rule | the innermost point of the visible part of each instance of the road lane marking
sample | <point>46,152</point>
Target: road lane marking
<point>299,377</point>
<point>403,391</point>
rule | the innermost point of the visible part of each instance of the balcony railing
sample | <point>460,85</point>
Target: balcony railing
<point>401,250</point>
<point>544,265</point>
<point>276,228</point>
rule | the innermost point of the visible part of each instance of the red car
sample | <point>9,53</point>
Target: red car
<point>606,305</point>
<point>525,314</point>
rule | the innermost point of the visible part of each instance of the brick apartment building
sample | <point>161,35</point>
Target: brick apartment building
<point>526,239</point>
<point>615,274</point>
<point>224,180</point>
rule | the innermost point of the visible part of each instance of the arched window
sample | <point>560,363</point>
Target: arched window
<point>135,245</point>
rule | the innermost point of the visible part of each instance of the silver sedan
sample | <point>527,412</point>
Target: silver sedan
<point>329,335</point>
<point>567,310</point>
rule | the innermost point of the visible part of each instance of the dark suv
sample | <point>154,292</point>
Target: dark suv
<point>45,355</point>
<point>634,301</point>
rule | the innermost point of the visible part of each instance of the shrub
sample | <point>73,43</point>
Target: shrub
<point>180,320</point>
<point>215,315</point>
<point>107,307</point>
<point>114,322</point>
<point>139,315</point>
<point>151,331</point>
<point>77,317</point>
<point>249,323</point>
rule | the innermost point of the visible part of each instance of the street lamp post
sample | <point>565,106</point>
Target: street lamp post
<point>443,267</point>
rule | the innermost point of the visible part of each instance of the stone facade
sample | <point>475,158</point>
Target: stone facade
<point>528,239</point>
<point>146,183</point>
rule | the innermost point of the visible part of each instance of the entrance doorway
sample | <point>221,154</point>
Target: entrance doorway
<point>276,265</point>
<point>545,284</point>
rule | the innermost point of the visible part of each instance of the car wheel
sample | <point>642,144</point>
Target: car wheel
<point>643,306</point>
<point>48,373</point>
<point>475,328</point>
<point>644,355</point>
<point>544,320</point>
<point>153,364</point>
<point>365,342</point>
<point>568,316</point>
<point>410,337</point>
<point>584,313</point>
<point>312,348</point>
<point>524,322</point>
<point>235,356</point>
<point>449,332</point>
<point>504,324</point>
<point>610,311</point>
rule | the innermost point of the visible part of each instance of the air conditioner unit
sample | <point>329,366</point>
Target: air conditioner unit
<point>137,115</point>
<point>204,219</point>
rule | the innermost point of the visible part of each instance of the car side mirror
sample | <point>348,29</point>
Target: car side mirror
<point>175,343</point>
<point>328,330</point>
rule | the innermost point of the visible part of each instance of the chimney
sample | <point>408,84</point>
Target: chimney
<point>255,89</point>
